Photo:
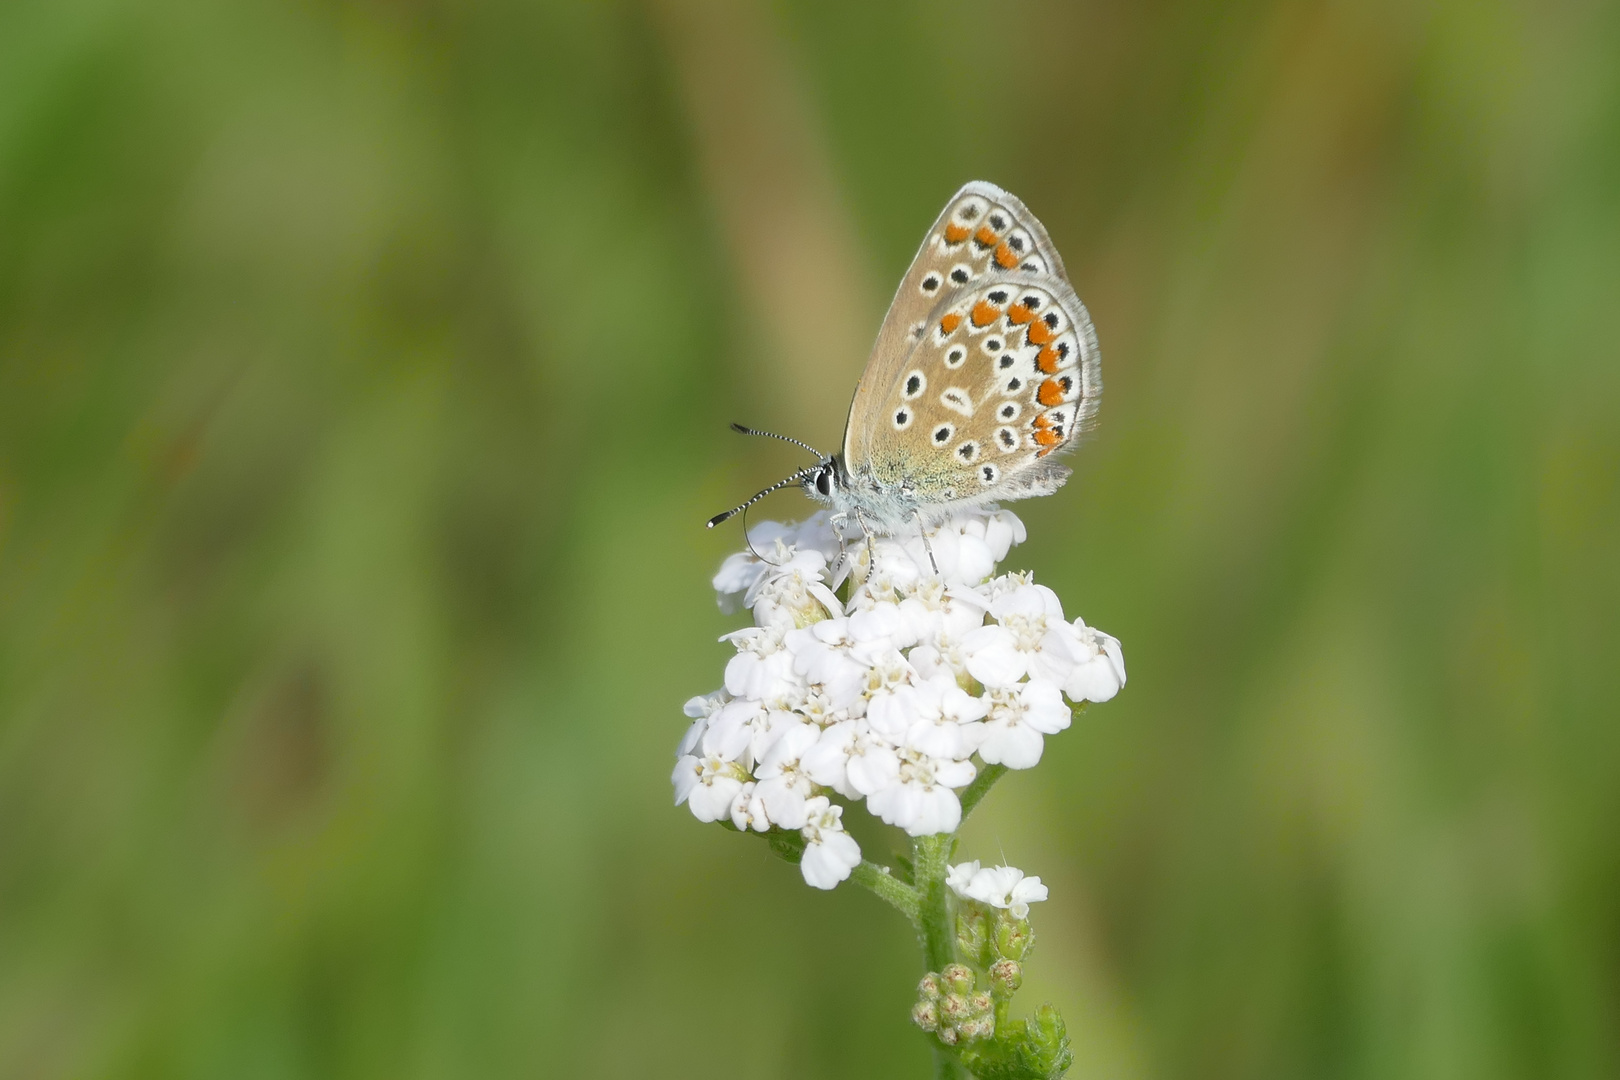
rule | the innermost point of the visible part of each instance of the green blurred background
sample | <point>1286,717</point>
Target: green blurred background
<point>364,374</point>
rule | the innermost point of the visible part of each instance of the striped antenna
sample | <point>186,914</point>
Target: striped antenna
<point>741,430</point>
<point>779,485</point>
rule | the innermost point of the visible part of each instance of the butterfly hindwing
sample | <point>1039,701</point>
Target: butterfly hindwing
<point>982,231</point>
<point>1005,374</point>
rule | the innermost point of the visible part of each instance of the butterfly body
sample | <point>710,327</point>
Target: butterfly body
<point>986,367</point>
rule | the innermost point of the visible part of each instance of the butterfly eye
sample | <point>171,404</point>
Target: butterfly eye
<point>824,482</point>
<point>943,433</point>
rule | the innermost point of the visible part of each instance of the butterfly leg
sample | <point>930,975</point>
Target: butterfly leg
<point>838,522</point>
<point>926,545</point>
<point>871,548</point>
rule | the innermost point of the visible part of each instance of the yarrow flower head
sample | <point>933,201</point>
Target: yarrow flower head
<point>902,675</point>
<point>927,670</point>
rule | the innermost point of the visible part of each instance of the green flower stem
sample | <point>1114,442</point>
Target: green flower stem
<point>980,787</point>
<point>887,887</point>
<point>929,855</point>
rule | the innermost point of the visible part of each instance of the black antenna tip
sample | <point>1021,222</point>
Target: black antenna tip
<point>740,429</point>
<point>717,519</point>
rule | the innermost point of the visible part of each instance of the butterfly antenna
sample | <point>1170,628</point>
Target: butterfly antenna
<point>741,430</point>
<point>749,540</point>
<point>778,486</point>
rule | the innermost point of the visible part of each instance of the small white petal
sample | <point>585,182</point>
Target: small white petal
<point>954,774</point>
<point>711,801</point>
<point>829,859</point>
<point>975,560</point>
<point>1095,680</point>
<point>936,810</point>
<point>993,658</point>
<point>1044,709</point>
<point>1015,745</point>
<point>892,714</point>
<point>693,736</point>
<point>872,769</point>
<point>685,777</point>
<point>827,761</point>
<point>958,876</point>
<point>784,802</point>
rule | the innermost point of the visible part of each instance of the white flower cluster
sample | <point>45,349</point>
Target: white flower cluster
<point>934,660</point>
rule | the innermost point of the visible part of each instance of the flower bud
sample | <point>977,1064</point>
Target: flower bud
<point>948,1036</point>
<point>925,1014</point>
<point>1013,937</point>
<point>1006,976</point>
<point>958,977</point>
<point>953,1009</point>
<point>972,933</point>
<point>978,1028</point>
<point>931,988</point>
<point>981,1003</point>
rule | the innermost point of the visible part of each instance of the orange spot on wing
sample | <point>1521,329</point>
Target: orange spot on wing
<point>985,313</point>
<point>1005,257</point>
<point>1047,438</point>
<point>955,234</point>
<point>950,322</point>
<point>1047,360</point>
<point>1018,314</point>
<point>986,236</point>
<point>1050,393</point>
<point>1042,421</point>
<point>1039,333</point>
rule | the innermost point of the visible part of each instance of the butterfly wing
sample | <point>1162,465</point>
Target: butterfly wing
<point>982,230</point>
<point>1005,374</point>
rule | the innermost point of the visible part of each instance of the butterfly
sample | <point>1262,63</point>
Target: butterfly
<point>985,368</point>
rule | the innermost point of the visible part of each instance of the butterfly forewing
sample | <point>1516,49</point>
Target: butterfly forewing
<point>1004,375</point>
<point>983,230</point>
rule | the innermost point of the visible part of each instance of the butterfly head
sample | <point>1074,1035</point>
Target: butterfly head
<point>826,480</point>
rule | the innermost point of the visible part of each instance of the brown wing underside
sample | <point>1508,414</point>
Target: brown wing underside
<point>982,230</point>
<point>1004,374</point>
